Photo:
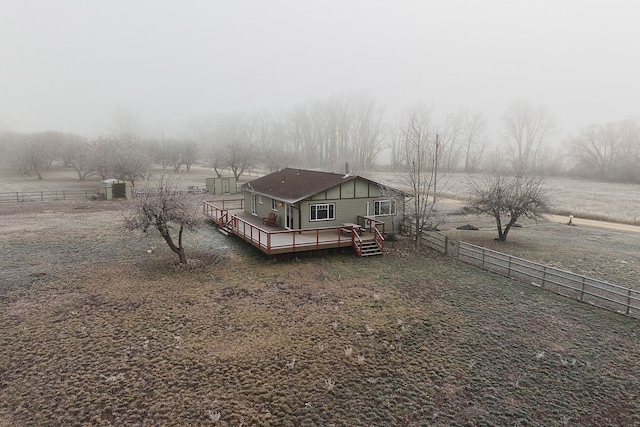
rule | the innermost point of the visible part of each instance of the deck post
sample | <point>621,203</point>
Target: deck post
<point>269,243</point>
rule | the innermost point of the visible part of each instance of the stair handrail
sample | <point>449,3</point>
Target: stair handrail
<point>379,238</point>
<point>355,237</point>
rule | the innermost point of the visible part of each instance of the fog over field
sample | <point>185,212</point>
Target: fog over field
<point>73,65</point>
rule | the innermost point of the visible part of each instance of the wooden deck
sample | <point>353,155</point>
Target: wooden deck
<point>277,240</point>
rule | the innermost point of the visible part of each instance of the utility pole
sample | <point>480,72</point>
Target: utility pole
<point>435,170</point>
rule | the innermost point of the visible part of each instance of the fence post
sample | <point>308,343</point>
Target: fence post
<point>628,301</point>
<point>582,288</point>
<point>483,252</point>
<point>446,245</point>
<point>41,197</point>
<point>544,275</point>
<point>17,196</point>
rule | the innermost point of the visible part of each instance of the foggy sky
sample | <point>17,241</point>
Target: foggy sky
<point>69,65</point>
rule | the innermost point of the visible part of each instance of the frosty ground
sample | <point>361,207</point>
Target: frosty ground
<point>97,331</point>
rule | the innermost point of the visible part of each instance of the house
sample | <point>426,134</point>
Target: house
<point>319,204</point>
<point>307,199</point>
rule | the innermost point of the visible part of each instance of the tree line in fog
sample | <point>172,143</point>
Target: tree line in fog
<point>351,129</point>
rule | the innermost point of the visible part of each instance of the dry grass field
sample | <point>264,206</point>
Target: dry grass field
<point>600,253</point>
<point>601,200</point>
<point>96,331</point>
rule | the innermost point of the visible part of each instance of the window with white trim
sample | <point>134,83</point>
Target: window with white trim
<point>260,200</point>
<point>274,205</point>
<point>254,210</point>
<point>384,207</point>
<point>322,212</point>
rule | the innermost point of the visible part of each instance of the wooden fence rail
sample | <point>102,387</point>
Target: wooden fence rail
<point>47,196</point>
<point>593,291</point>
<point>53,195</point>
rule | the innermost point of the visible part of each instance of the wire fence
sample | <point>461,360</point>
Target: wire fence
<point>582,288</point>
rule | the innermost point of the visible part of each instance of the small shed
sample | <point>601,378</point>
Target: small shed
<point>113,188</point>
<point>222,185</point>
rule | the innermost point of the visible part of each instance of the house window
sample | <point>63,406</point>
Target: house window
<point>254,211</point>
<point>260,200</point>
<point>323,212</point>
<point>384,207</point>
<point>274,205</point>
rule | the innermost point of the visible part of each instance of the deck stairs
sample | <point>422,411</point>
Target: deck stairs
<point>368,248</point>
<point>225,229</point>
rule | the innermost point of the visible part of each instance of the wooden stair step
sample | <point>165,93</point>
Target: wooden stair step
<point>369,249</point>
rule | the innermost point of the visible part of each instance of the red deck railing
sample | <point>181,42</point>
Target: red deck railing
<point>376,227</point>
<point>220,215</point>
<point>283,241</point>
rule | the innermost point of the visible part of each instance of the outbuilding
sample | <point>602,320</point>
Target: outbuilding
<point>113,188</point>
<point>221,185</point>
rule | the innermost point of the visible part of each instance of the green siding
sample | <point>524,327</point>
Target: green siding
<point>347,190</point>
<point>374,191</point>
<point>362,188</point>
<point>333,193</point>
<point>346,210</point>
<point>263,210</point>
<point>350,199</point>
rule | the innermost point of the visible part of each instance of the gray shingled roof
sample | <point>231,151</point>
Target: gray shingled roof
<point>292,185</point>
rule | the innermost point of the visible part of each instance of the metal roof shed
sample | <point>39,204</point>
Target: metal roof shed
<point>113,188</point>
<point>221,185</point>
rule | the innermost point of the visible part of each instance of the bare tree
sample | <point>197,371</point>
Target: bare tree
<point>474,142</point>
<point>5,146</point>
<point>189,152</point>
<point>608,151</point>
<point>628,151</point>
<point>122,157</point>
<point>238,157</point>
<point>16,153</point>
<point>450,141</point>
<point>526,131</point>
<point>38,150</point>
<point>366,138</point>
<point>214,161</point>
<point>278,149</point>
<point>508,198</point>
<point>102,156</point>
<point>76,153</point>
<point>419,150</point>
<point>163,209</point>
<point>168,154</point>
<point>330,132</point>
<point>175,153</point>
<point>298,129</point>
<point>131,160</point>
